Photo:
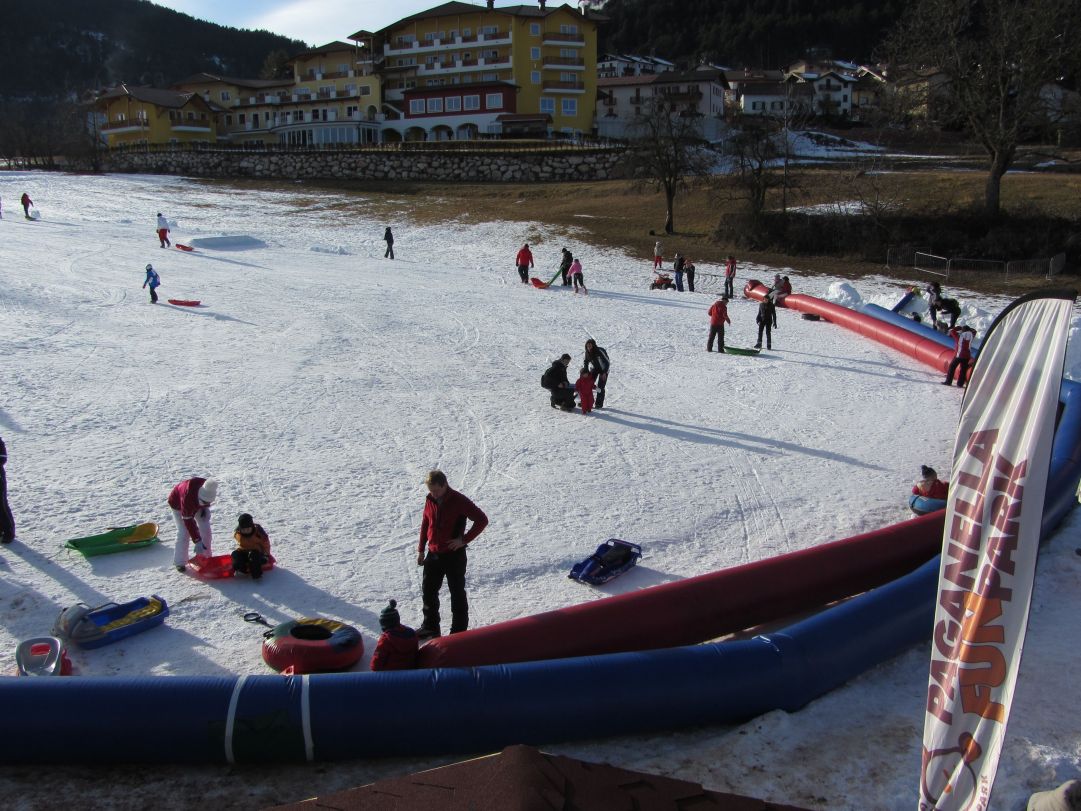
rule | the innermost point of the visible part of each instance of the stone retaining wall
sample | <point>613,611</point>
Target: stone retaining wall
<point>379,164</point>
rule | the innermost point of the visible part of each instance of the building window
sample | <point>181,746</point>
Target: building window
<point>568,77</point>
<point>470,102</point>
<point>844,98</point>
<point>548,105</point>
<point>489,77</point>
<point>568,29</point>
<point>343,67</point>
<point>416,106</point>
<point>534,77</point>
<point>489,30</point>
<point>491,54</point>
<point>534,54</point>
<point>435,105</point>
<point>454,104</point>
<point>569,106</point>
<point>493,101</point>
<point>568,53</point>
<point>225,95</point>
<point>228,120</point>
<point>255,119</point>
<point>407,61</point>
<point>758,105</point>
<point>534,29</point>
<point>467,32</point>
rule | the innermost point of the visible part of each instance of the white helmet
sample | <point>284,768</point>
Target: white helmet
<point>149,267</point>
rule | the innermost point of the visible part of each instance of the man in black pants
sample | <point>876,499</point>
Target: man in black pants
<point>767,315</point>
<point>7,520</point>
<point>443,539</point>
<point>598,364</point>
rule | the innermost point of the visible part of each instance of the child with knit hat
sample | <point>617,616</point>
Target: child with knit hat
<point>397,646</point>
<point>253,547</point>
<point>929,485</point>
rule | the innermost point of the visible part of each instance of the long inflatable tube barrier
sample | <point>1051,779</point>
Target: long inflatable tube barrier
<point>256,718</point>
<point>700,608</point>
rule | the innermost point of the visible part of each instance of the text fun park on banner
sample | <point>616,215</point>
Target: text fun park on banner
<point>993,515</point>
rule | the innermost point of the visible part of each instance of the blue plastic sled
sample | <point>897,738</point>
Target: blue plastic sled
<point>95,627</point>
<point>612,558</point>
<point>921,505</point>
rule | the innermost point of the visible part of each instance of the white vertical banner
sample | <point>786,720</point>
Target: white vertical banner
<point>993,514</point>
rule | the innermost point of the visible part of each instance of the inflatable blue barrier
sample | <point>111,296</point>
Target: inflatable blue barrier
<point>907,297</point>
<point>259,719</point>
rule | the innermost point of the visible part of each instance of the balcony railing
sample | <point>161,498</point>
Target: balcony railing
<point>415,46</point>
<point>560,37</point>
<point>681,95</point>
<point>572,87</point>
<point>564,61</point>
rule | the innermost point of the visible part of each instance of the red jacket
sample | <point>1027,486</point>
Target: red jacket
<point>962,342</point>
<point>524,257</point>
<point>396,649</point>
<point>443,521</point>
<point>730,268</point>
<point>718,314</point>
<point>938,489</point>
<point>584,387</point>
<point>184,498</point>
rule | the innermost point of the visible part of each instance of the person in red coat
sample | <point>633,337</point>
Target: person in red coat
<point>26,203</point>
<point>962,340</point>
<point>584,387</point>
<point>190,502</point>
<point>929,485</point>
<point>441,551</point>
<point>524,261</point>
<point>397,645</point>
<point>718,317</point>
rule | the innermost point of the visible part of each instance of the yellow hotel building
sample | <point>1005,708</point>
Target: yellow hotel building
<point>460,70</point>
<point>147,115</point>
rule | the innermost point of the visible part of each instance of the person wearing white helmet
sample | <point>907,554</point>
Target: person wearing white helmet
<point>154,281</point>
<point>190,502</point>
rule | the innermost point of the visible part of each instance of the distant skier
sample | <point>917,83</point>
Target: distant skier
<point>388,237</point>
<point>27,203</point>
<point>7,520</point>
<point>163,231</point>
<point>154,281</point>
<point>524,261</point>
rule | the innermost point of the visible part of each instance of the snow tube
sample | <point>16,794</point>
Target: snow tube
<point>312,645</point>
<point>921,505</point>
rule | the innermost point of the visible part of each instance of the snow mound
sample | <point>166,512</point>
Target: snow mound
<point>844,294</point>
<point>339,250</point>
<point>228,243</point>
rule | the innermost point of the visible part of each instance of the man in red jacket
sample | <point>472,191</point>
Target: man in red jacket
<point>718,317</point>
<point>524,261</point>
<point>441,551</point>
<point>190,502</point>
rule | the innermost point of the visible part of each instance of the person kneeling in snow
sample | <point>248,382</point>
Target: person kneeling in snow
<point>397,645</point>
<point>253,547</point>
<point>190,502</point>
<point>555,380</point>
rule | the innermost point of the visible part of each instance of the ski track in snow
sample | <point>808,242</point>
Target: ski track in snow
<point>320,384</point>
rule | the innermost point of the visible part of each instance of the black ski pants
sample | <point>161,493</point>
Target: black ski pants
<point>449,565</point>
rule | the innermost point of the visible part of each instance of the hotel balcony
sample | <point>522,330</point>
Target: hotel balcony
<point>120,127</point>
<point>557,38</point>
<point>432,45</point>
<point>448,66</point>
<point>190,126</point>
<point>563,63</point>
<point>563,87</point>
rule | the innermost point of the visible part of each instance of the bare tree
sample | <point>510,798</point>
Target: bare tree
<point>668,153</point>
<point>994,57</point>
<point>757,150</point>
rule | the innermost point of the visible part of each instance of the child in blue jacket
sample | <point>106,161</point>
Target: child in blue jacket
<point>154,281</point>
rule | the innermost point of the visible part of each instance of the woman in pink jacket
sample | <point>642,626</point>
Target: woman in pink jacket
<point>190,502</point>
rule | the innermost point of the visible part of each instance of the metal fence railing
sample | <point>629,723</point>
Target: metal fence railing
<point>945,266</point>
<point>930,263</point>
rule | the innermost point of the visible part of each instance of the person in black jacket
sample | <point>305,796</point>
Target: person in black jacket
<point>564,266</point>
<point>555,380</point>
<point>7,520</point>
<point>766,314</point>
<point>598,364</point>
<point>388,237</point>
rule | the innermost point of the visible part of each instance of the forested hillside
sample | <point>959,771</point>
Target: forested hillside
<point>742,33</point>
<point>53,48</point>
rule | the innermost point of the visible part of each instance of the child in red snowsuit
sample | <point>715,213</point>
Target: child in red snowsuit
<point>584,387</point>
<point>397,646</point>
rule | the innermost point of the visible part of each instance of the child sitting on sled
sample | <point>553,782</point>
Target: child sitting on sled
<point>253,547</point>
<point>397,646</point>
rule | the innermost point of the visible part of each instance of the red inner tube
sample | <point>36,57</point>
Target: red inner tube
<point>313,645</point>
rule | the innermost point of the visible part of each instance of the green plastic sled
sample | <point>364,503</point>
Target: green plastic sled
<point>737,350</point>
<point>118,539</point>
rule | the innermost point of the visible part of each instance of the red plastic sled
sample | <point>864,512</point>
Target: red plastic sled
<point>220,566</point>
<point>184,247</point>
<point>537,283</point>
<point>183,302</point>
